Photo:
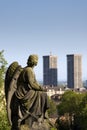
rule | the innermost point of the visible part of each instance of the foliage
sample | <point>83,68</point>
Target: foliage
<point>4,125</point>
<point>81,119</point>
<point>53,129</point>
<point>70,103</point>
<point>52,111</point>
<point>3,64</point>
<point>72,111</point>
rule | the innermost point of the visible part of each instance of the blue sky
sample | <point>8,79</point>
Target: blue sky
<point>44,26</point>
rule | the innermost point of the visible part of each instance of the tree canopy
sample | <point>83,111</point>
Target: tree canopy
<point>3,64</point>
<point>4,125</point>
<point>72,111</point>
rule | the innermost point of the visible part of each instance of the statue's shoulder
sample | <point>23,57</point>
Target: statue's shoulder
<point>28,69</point>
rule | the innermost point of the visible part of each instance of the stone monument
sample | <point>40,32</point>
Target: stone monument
<point>27,101</point>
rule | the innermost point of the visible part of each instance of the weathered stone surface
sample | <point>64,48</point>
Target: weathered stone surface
<point>45,125</point>
<point>27,101</point>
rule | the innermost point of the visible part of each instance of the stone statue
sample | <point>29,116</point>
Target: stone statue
<point>27,101</point>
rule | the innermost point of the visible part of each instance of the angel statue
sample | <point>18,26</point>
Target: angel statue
<point>27,101</point>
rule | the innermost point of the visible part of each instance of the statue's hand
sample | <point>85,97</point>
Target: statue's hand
<point>44,89</point>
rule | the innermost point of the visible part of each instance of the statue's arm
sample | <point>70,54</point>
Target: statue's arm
<point>32,82</point>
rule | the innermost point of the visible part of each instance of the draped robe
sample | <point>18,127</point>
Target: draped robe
<point>30,95</point>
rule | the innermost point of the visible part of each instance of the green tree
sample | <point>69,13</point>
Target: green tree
<point>3,64</point>
<point>69,110</point>
<point>52,111</point>
<point>80,120</point>
<point>4,125</point>
<point>70,103</point>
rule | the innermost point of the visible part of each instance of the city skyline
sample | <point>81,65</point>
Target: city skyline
<point>40,27</point>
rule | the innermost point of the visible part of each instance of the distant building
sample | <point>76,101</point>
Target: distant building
<point>54,91</point>
<point>74,71</point>
<point>50,70</point>
<point>85,84</point>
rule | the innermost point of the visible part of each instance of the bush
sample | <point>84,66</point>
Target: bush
<point>4,125</point>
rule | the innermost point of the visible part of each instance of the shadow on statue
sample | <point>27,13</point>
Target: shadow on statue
<point>27,101</point>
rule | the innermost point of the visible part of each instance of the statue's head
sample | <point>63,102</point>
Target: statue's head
<point>32,60</point>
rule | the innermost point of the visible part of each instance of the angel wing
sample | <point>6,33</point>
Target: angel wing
<point>11,77</point>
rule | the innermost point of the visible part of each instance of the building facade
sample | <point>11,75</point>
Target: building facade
<point>50,70</point>
<point>74,71</point>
